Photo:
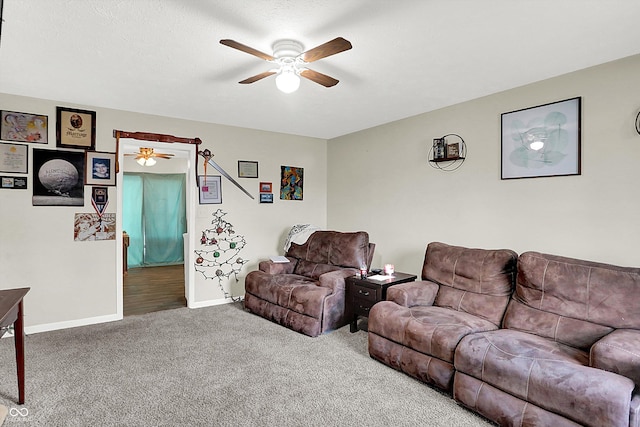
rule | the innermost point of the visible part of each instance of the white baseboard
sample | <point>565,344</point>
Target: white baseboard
<point>209,303</point>
<point>71,324</point>
<point>104,319</point>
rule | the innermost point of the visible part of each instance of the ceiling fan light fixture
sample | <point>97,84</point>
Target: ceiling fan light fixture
<point>288,81</point>
<point>146,161</point>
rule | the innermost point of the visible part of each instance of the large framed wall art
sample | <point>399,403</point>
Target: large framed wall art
<point>542,141</point>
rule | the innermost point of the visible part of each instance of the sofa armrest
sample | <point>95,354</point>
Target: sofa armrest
<point>335,279</point>
<point>618,352</point>
<point>278,267</point>
<point>413,293</point>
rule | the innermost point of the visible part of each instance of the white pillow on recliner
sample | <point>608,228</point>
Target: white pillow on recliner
<point>299,234</point>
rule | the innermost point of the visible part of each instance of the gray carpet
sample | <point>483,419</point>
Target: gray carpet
<point>216,366</point>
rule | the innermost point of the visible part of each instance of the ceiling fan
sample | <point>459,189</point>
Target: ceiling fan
<point>291,62</point>
<point>147,156</point>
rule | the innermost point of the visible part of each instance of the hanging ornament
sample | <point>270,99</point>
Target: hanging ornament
<point>216,254</point>
<point>219,272</point>
<point>199,260</point>
<point>232,245</point>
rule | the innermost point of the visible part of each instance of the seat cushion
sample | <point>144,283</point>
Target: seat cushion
<point>546,373</point>
<point>298,293</point>
<point>435,331</point>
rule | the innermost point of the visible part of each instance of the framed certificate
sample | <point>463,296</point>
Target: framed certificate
<point>14,158</point>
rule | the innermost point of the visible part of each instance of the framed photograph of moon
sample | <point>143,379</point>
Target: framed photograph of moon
<point>58,178</point>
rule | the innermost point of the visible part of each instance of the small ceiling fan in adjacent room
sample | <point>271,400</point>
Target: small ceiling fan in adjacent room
<point>147,156</point>
<point>291,62</point>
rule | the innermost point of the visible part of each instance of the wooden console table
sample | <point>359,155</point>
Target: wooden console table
<point>11,313</point>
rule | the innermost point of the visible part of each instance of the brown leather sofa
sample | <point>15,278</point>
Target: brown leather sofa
<point>565,353</point>
<point>307,294</point>
<point>568,352</point>
<point>462,291</point>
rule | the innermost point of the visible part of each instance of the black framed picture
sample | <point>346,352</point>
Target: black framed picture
<point>542,141</point>
<point>247,169</point>
<point>58,178</point>
<point>75,128</point>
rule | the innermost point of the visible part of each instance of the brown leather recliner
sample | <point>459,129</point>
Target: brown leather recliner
<point>307,294</point>
<point>568,353</point>
<point>419,326</point>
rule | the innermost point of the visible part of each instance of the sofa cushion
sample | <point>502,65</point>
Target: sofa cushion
<point>435,331</point>
<point>476,281</point>
<point>548,374</point>
<point>313,269</point>
<point>573,301</point>
<point>291,291</point>
<point>335,248</point>
<point>618,352</point>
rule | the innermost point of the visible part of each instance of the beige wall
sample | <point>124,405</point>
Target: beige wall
<point>376,180</point>
<point>380,180</point>
<point>74,283</point>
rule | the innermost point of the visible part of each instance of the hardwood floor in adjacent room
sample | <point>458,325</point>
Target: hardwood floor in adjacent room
<point>148,289</point>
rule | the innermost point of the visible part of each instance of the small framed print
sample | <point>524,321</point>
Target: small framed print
<point>23,127</point>
<point>14,158</point>
<point>453,150</point>
<point>100,168</point>
<point>75,128</point>
<point>247,169</point>
<point>210,189</point>
<point>438,149</point>
<point>14,182</point>
<point>266,198</point>
<point>266,187</point>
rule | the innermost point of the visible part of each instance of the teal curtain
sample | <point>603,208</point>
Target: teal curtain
<point>154,217</point>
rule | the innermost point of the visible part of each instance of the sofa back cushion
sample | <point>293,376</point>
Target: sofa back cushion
<point>475,281</point>
<point>573,301</point>
<point>313,269</point>
<point>334,248</point>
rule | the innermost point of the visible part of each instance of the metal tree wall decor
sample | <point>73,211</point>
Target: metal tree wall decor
<point>220,257</point>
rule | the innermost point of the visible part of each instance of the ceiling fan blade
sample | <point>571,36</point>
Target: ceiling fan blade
<point>329,48</point>
<point>319,78</point>
<point>244,48</point>
<point>163,156</point>
<point>257,77</point>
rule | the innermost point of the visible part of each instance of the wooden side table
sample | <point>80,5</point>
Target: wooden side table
<point>11,313</point>
<point>362,294</point>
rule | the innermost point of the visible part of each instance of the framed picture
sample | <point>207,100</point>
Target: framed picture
<point>266,197</point>
<point>14,158</point>
<point>453,150</point>
<point>14,182</point>
<point>266,187</point>
<point>247,169</point>
<point>542,141</point>
<point>210,189</point>
<point>438,149</point>
<point>58,178</point>
<point>100,168</point>
<point>291,182</point>
<point>24,127</point>
<point>75,128</point>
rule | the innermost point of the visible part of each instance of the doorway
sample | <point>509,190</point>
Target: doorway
<point>154,218</point>
<point>159,287</point>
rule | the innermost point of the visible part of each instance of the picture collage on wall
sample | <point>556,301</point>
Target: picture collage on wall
<point>59,175</point>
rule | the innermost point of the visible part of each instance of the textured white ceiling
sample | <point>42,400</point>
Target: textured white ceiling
<point>409,56</point>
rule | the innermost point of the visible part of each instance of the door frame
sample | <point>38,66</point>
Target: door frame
<point>184,151</point>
